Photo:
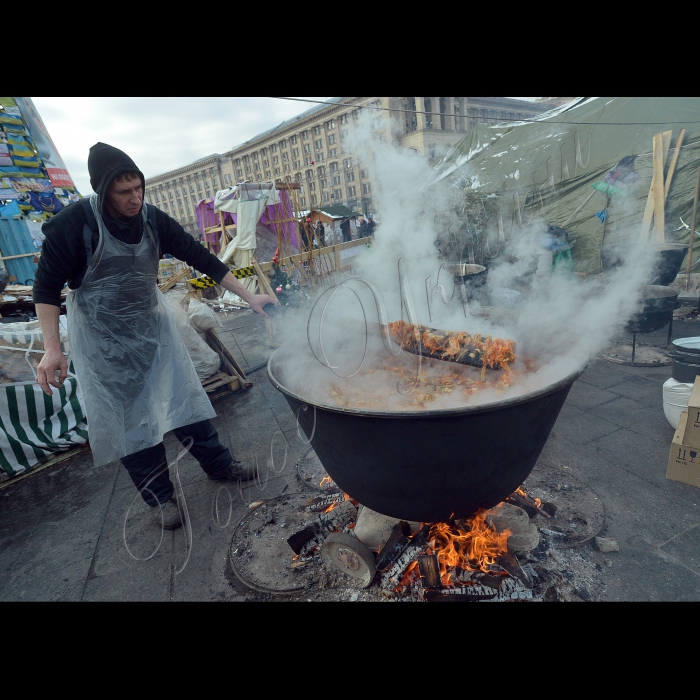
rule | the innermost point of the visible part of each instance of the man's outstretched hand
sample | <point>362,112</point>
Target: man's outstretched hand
<point>46,371</point>
<point>258,301</point>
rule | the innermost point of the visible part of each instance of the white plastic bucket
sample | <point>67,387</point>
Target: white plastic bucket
<point>676,396</point>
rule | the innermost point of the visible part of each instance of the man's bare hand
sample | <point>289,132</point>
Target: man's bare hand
<point>46,371</point>
<point>258,301</point>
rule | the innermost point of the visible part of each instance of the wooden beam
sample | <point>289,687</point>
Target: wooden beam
<point>658,232</point>
<point>23,255</point>
<point>674,160</point>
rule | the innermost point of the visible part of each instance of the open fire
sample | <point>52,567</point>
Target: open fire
<point>469,557</point>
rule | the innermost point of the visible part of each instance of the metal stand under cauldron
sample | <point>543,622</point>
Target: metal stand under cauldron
<point>659,304</point>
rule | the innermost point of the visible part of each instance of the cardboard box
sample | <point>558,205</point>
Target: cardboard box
<point>683,460</point>
<point>692,430</point>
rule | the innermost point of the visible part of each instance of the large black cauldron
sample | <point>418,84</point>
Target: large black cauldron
<point>428,466</point>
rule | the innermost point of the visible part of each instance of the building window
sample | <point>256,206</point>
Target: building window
<point>293,140</point>
<point>330,125</point>
<point>286,168</point>
<point>238,162</point>
<point>307,160</point>
<point>255,155</point>
<point>319,144</point>
<point>350,176</point>
<point>295,152</point>
<point>347,163</point>
<point>343,118</point>
<point>309,174</point>
<point>297,164</point>
<point>268,174</point>
<point>307,148</point>
<point>363,174</point>
<point>266,162</point>
<point>245,159</point>
<point>239,172</point>
<point>302,201</point>
<point>297,177</point>
<point>324,183</point>
<point>285,156</point>
<point>312,187</point>
<point>314,200</point>
<point>351,191</point>
<point>273,148</point>
<point>275,160</point>
<point>317,130</point>
<point>331,138</point>
<point>257,166</point>
<point>283,143</point>
<point>304,135</point>
<point>336,179</point>
<point>367,188</point>
<point>333,153</point>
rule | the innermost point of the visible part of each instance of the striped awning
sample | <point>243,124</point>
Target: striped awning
<point>34,426</point>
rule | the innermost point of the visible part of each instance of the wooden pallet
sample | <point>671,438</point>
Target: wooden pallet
<point>231,377</point>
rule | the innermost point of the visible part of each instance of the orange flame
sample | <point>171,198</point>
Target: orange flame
<point>474,549</point>
<point>335,505</point>
<point>410,576</point>
<point>326,481</point>
<point>522,492</point>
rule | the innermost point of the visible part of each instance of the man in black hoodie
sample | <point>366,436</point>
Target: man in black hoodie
<point>132,366</point>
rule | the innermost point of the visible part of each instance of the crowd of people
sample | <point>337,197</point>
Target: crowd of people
<point>320,234</point>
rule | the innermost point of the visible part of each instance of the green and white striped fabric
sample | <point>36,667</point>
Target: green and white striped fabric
<point>34,426</point>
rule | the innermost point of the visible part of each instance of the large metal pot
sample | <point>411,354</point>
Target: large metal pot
<point>657,312</point>
<point>670,257</point>
<point>428,466</point>
<point>683,371</point>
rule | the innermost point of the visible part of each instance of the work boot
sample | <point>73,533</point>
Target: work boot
<point>167,514</point>
<point>234,472</point>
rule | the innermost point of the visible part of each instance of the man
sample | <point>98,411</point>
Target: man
<point>361,227</point>
<point>345,230</point>
<point>371,224</point>
<point>133,369</point>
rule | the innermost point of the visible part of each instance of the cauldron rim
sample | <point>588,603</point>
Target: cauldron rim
<point>433,413</point>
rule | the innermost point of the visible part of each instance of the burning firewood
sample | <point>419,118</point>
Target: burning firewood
<point>475,350</point>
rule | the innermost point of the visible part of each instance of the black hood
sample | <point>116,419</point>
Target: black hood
<point>106,162</point>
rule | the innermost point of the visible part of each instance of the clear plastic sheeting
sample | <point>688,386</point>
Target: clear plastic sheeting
<point>132,365</point>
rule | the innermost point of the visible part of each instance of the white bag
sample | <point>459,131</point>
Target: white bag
<point>205,360</point>
<point>202,317</point>
<point>676,397</point>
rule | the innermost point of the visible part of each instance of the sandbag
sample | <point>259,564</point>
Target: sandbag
<point>206,361</point>
<point>202,317</point>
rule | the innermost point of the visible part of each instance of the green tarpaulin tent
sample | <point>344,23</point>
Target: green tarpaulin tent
<point>553,169</point>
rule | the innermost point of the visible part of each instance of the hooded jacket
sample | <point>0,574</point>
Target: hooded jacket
<point>63,256</point>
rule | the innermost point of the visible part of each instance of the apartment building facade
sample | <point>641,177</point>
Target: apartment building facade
<point>314,149</point>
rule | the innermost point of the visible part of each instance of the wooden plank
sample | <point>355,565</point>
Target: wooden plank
<point>59,457</point>
<point>692,231</point>
<point>23,255</point>
<point>264,282</point>
<point>229,361</point>
<point>674,161</point>
<point>666,137</point>
<point>174,279</point>
<point>658,231</point>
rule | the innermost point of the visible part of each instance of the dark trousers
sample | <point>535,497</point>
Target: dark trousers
<point>148,468</point>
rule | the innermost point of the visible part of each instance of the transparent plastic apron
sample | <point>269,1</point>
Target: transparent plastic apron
<point>132,365</point>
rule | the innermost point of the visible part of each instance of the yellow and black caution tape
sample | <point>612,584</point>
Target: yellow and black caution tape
<point>242,272</point>
<point>204,281</point>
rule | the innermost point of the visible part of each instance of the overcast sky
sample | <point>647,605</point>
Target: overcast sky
<point>159,133</point>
